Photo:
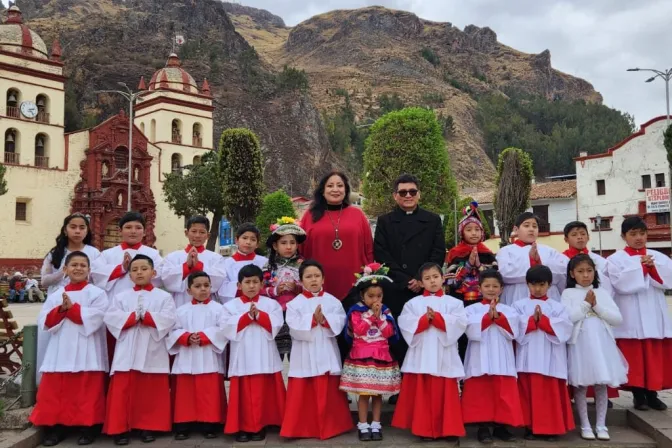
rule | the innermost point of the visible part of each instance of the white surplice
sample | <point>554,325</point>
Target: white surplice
<point>227,291</point>
<point>538,351</point>
<point>141,347</point>
<point>108,261</point>
<point>490,351</point>
<point>600,265</point>
<point>433,352</point>
<point>253,349</point>
<point>196,360</point>
<point>172,272</point>
<point>640,298</point>
<point>314,348</point>
<point>73,347</point>
<point>514,262</point>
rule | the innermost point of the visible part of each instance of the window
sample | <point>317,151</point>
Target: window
<point>176,131</point>
<point>660,180</point>
<point>646,181</point>
<point>41,150</point>
<point>605,224</point>
<point>601,188</point>
<point>120,158</point>
<point>152,131</point>
<point>197,160</point>
<point>176,163</point>
<point>142,127</point>
<point>21,211</point>
<point>12,146</point>
<point>42,102</point>
<point>542,213</point>
<point>197,139</point>
<point>662,219</point>
<point>12,104</point>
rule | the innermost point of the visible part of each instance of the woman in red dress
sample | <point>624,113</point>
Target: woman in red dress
<point>339,235</point>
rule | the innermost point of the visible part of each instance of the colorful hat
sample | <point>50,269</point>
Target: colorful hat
<point>285,226</point>
<point>471,215</point>
<point>372,274</point>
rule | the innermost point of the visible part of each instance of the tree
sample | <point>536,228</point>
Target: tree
<point>408,141</point>
<point>667,141</point>
<point>242,171</point>
<point>3,182</point>
<point>275,205</point>
<point>198,192</point>
<point>514,183</point>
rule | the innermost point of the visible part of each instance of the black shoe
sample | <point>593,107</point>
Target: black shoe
<point>181,435</point>
<point>52,438</point>
<point>147,437</point>
<point>503,434</point>
<point>86,439</point>
<point>483,435</point>
<point>610,404</point>
<point>529,435</point>
<point>258,436</point>
<point>122,439</point>
<point>639,400</point>
<point>654,402</point>
<point>365,436</point>
<point>242,437</point>
<point>210,435</point>
<point>393,399</point>
<point>551,438</point>
<point>377,436</point>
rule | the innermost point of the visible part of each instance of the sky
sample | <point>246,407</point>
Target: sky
<point>596,40</point>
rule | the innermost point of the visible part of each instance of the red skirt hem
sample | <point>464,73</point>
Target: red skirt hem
<point>70,399</point>
<point>547,409</point>
<point>138,400</point>
<point>255,401</point>
<point>316,409</point>
<point>199,398</point>
<point>429,406</point>
<point>492,398</point>
<point>648,361</point>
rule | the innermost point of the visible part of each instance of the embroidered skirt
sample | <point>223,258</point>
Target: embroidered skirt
<point>370,377</point>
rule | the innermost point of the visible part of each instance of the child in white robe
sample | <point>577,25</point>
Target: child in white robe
<point>257,391</point>
<point>541,359</point>
<point>594,359</point>
<point>247,242</point>
<point>177,266</point>
<point>72,391</point>
<point>640,277</point>
<point>490,393</point>
<point>197,343</point>
<point>431,323</point>
<point>515,259</point>
<point>316,408</point>
<point>140,319</point>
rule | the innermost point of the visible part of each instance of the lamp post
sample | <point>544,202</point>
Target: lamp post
<point>598,222</point>
<point>665,75</point>
<point>131,97</point>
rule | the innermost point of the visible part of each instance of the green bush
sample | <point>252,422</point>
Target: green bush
<point>433,98</point>
<point>274,206</point>
<point>292,79</point>
<point>430,56</point>
<point>389,102</point>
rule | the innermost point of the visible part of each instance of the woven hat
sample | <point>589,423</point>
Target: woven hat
<point>285,226</point>
<point>372,274</point>
<point>471,215</point>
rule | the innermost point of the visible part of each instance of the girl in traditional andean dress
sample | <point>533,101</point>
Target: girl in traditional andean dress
<point>370,371</point>
<point>593,357</point>
<point>281,274</point>
<point>316,408</point>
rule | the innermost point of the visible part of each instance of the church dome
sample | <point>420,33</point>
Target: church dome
<point>173,77</point>
<point>16,37</point>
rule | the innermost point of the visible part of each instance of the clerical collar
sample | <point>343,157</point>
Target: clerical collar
<point>632,252</point>
<point>573,252</point>
<point>239,256</point>
<point>438,293</point>
<point>76,286</point>
<point>485,301</point>
<point>336,207</point>
<point>310,295</point>
<point>147,287</point>
<point>246,299</point>
<point>200,249</point>
<point>408,213</point>
<point>544,298</point>
<point>196,302</point>
<point>521,243</point>
<point>125,246</point>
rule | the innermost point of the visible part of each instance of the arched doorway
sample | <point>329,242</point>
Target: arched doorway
<point>112,234</point>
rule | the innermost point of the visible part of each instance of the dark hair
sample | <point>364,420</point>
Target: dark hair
<point>524,217</point>
<point>77,253</point>
<point>406,179</point>
<point>132,217</point>
<point>319,204</point>
<point>247,227</point>
<point>575,225</point>
<point>58,251</point>
<point>539,274</point>
<point>310,263</point>
<point>198,220</point>
<point>576,261</point>
<point>369,285</point>
<point>194,275</point>
<point>273,255</point>
<point>632,223</point>
<point>139,257</point>
<point>250,270</point>
<point>426,267</point>
<point>491,273</point>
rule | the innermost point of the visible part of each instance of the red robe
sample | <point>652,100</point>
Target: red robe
<point>357,251</point>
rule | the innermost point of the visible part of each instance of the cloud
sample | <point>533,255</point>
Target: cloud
<point>596,40</point>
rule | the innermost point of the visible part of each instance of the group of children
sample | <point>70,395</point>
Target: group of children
<point>525,325</point>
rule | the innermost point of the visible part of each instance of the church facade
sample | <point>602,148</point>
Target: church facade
<point>51,173</point>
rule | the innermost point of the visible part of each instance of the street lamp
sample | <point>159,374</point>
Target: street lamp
<point>665,75</point>
<point>598,222</point>
<point>131,97</point>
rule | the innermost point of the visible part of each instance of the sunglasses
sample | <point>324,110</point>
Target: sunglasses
<point>403,193</point>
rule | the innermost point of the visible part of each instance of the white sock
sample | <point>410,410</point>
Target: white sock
<point>582,406</point>
<point>376,426</point>
<point>601,404</point>
<point>363,427</point>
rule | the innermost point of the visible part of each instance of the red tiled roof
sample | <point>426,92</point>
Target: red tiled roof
<point>548,190</point>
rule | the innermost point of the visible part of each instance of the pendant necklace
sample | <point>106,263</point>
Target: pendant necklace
<point>337,243</point>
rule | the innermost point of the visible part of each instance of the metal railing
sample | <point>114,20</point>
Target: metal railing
<point>198,141</point>
<point>13,112</point>
<point>42,161</point>
<point>42,117</point>
<point>12,158</point>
